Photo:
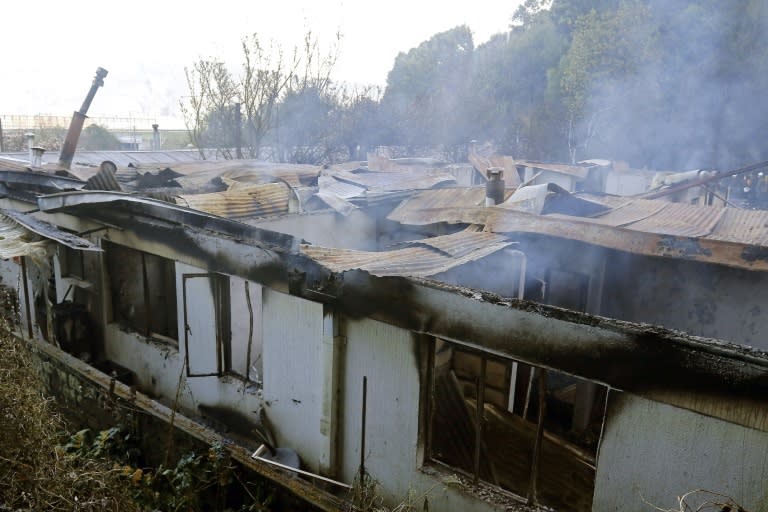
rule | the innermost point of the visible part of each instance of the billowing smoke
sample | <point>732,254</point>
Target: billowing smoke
<point>680,86</point>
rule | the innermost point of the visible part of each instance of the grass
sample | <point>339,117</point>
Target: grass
<point>35,473</point>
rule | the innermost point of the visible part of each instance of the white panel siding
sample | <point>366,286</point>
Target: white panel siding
<point>661,452</point>
<point>293,335</point>
<point>387,355</point>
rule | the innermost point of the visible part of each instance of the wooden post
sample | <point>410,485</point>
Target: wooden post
<point>533,487</point>
<point>479,409</point>
<point>27,303</point>
<point>362,430</point>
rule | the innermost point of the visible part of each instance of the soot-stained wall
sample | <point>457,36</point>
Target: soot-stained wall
<point>698,298</point>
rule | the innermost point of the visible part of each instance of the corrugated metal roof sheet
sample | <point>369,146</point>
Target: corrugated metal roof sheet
<point>578,171</point>
<point>45,230</point>
<point>423,208</point>
<point>677,219</point>
<point>425,258</point>
<point>243,202</point>
<point>744,226</point>
<point>331,186</point>
<point>248,171</point>
<point>395,180</point>
<point>16,240</point>
<point>641,226</point>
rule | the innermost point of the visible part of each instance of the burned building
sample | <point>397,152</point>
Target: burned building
<point>578,351</point>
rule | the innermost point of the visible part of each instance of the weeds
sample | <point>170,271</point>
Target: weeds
<point>34,473</point>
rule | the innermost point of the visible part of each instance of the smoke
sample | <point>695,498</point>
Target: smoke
<point>696,96</point>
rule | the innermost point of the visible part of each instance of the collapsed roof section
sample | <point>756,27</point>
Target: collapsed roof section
<point>421,258</point>
<point>725,236</point>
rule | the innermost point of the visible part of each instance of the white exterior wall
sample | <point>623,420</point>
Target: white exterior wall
<point>159,367</point>
<point>388,356</point>
<point>293,336</point>
<point>662,452</point>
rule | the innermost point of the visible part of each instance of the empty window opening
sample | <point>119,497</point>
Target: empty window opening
<point>143,292</point>
<point>484,423</point>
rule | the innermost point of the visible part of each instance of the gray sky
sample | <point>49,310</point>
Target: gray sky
<point>51,49</point>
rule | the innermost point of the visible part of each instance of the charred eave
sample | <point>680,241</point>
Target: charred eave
<point>42,180</point>
<point>47,230</point>
<point>624,355</point>
<point>627,356</point>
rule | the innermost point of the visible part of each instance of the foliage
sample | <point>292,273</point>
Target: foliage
<point>197,482</point>
<point>34,474</point>
<point>287,102</point>
<point>659,84</point>
<point>423,100</point>
<point>97,138</point>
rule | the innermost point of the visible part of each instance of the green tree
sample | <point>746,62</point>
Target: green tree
<point>98,138</point>
<point>509,93</point>
<point>424,97</point>
<point>606,51</point>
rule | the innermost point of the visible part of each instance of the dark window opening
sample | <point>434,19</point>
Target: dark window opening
<point>485,423</point>
<point>143,292</point>
<point>72,263</point>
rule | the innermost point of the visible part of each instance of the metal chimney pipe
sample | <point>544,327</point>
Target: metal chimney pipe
<point>155,137</point>
<point>37,156</point>
<point>78,119</point>
<point>494,187</point>
<point>30,142</point>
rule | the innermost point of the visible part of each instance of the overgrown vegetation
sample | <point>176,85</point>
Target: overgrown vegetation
<point>43,467</point>
<point>35,474</point>
<point>197,482</point>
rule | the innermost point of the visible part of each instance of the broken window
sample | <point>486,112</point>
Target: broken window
<point>71,262</point>
<point>243,353</point>
<point>143,291</point>
<point>485,420</point>
<point>222,319</point>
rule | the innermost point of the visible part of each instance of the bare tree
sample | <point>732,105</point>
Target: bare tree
<point>266,76</point>
<point>300,82</point>
<point>208,108</point>
<point>305,126</point>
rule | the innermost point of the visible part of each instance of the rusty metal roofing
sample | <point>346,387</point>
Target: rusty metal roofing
<point>578,171</point>
<point>390,181</point>
<point>195,174</point>
<point>242,202</point>
<point>725,236</point>
<point>424,207</point>
<point>742,226</point>
<point>423,258</point>
<point>677,219</point>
